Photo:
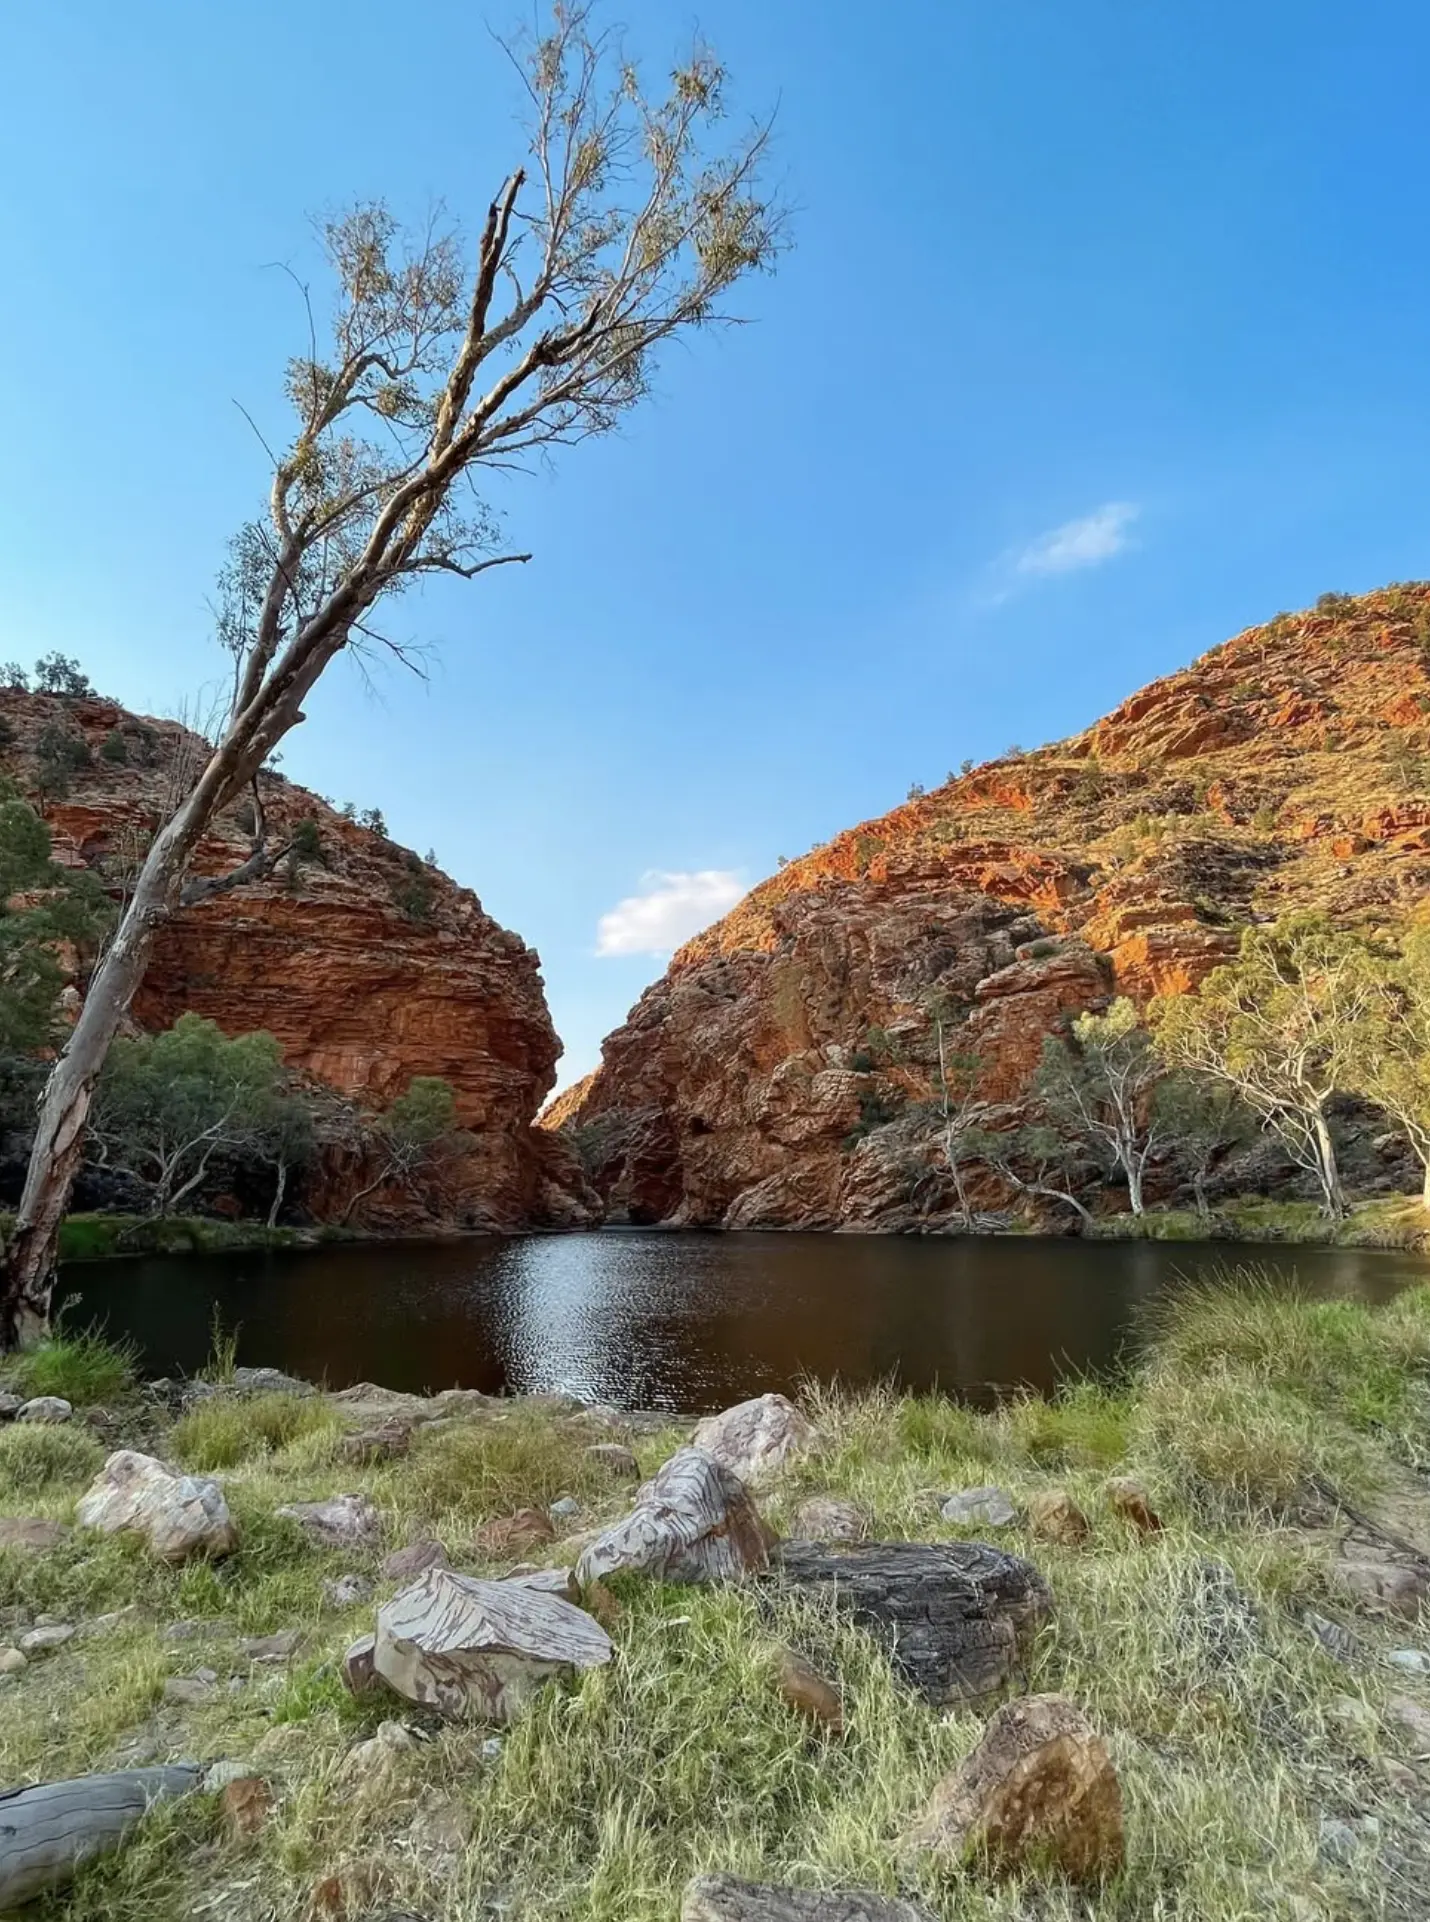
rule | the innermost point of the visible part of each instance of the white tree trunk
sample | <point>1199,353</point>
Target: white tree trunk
<point>58,1148</point>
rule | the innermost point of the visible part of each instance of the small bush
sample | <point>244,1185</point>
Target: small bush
<point>62,674</point>
<point>224,1430</point>
<point>84,1368</point>
<point>36,1458</point>
<point>490,1468</point>
<point>1236,1444</point>
<point>1084,1426</point>
<point>114,748</point>
<point>933,1426</point>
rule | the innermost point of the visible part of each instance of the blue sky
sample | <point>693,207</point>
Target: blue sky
<point>1106,332</point>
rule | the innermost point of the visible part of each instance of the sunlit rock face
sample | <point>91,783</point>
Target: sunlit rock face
<point>783,1072</point>
<point>367,964</point>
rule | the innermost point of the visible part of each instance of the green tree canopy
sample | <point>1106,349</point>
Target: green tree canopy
<point>49,916</point>
<point>1280,1025</point>
<point>167,1103</point>
<point>1096,1084</point>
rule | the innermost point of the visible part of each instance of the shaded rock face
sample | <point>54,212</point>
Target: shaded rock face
<point>368,965</point>
<point>784,1070</point>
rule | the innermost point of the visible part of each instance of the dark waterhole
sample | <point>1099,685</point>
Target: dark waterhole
<point>681,1321</point>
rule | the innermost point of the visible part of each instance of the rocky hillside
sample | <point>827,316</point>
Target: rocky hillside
<point>368,965</point>
<point>774,1075</point>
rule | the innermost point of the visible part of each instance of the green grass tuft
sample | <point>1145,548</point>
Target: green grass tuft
<point>84,1367</point>
<point>225,1430</point>
<point>524,1459</point>
<point>36,1459</point>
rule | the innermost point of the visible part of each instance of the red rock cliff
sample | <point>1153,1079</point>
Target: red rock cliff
<point>773,1076</point>
<point>368,965</point>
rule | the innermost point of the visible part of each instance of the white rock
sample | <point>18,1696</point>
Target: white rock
<point>10,1406</point>
<point>693,1521</point>
<point>478,1651</point>
<point>218,1775</point>
<point>181,1515</point>
<point>347,1591</point>
<point>1413,1661</point>
<point>1410,1717</point>
<point>756,1439</point>
<point>371,1759</point>
<point>45,1408</point>
<point>343,1521</point>
<point>40,1641</point>
<point>971,1506</point>
<point>11,1661</point>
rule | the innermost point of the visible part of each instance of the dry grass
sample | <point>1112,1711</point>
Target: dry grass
<point>1233,1731</point>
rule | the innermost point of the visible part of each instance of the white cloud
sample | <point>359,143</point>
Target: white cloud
<point>668,910</point>
<point>1088,542</point>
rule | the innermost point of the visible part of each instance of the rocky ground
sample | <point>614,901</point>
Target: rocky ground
<point>1148,1651</point>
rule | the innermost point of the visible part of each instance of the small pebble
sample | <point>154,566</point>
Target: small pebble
<point>491,1748</point>
<point>347,1591</point>
<point>1341,1841</point>
<point>186,1691</point>
<point>219,1774</point>
<point>11,1661</point>
<point>564,1509</point>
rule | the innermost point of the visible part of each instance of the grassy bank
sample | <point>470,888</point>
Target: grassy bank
<point>1396,1221</point>
<point>1235,1732</point>
<point>98,1237</point>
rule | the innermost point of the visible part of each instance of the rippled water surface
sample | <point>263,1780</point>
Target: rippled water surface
<point>680,1321</point>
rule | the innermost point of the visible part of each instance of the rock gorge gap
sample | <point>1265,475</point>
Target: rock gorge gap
<point>367,964</point>
<point>781,1072</point>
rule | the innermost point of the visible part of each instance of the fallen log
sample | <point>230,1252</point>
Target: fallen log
<point>47,1832</point>
<point>957,1618</point>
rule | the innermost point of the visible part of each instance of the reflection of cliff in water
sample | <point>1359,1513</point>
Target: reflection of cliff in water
<point>681,1321</point>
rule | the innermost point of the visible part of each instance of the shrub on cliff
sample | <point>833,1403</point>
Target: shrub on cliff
<point>44,908</point>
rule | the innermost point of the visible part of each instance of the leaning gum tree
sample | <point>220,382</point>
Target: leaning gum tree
<point>631,219</point>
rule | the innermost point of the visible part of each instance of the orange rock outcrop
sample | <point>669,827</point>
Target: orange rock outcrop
<point>369,965</point>
<point>783,1070</point>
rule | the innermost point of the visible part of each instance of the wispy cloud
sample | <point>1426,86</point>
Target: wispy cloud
<point>1088,542</point>
<point>668,909</point>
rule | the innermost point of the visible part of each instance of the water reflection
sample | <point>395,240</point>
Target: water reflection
<point>679,1321</point>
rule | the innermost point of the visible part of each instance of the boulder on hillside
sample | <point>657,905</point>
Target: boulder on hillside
<point>479,1651</point>
<point>726,1898</point>
<point>756,1439</point>
<point>1038,1791</point>
<point>955,1617</point>
<point>179,1515</point>
<point>693,1521</point>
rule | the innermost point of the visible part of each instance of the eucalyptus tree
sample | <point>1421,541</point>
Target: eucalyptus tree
<point>629,221</point>
<point>1097,1082</point>
<point>1281,1025</point>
